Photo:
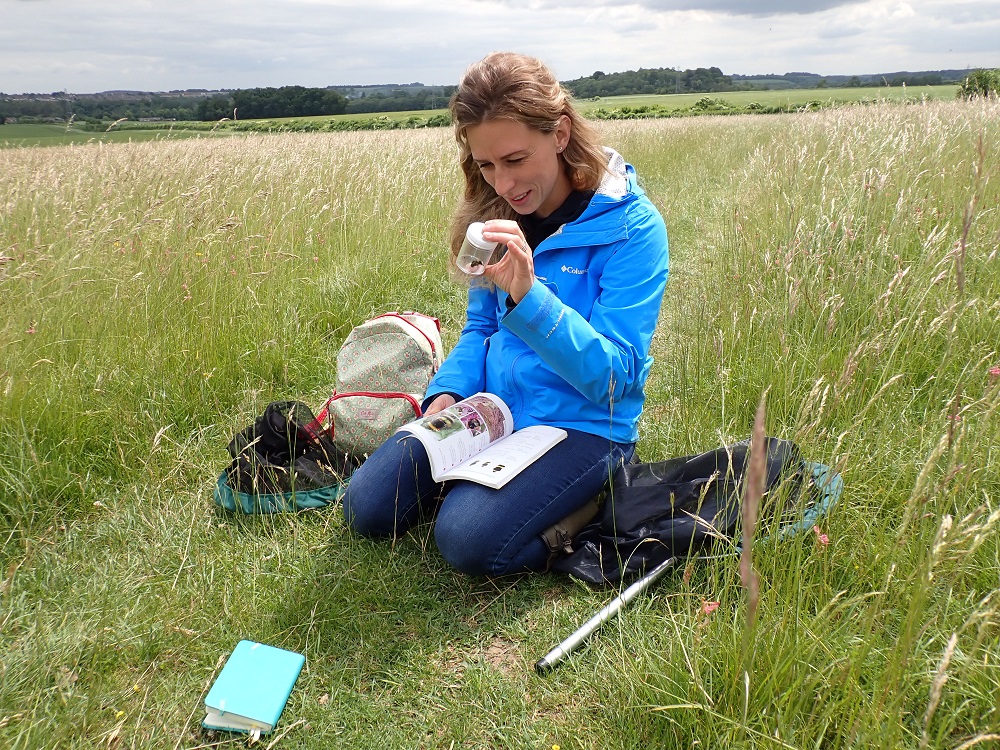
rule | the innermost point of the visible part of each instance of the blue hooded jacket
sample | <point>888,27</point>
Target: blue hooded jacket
<point>574,352</point>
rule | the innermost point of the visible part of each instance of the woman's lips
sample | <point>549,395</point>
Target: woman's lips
<point>517,200</point>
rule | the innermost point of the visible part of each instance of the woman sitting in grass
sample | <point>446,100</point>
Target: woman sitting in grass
<point>560,331</point>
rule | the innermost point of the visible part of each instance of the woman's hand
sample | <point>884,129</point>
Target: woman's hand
<point>441,403</point>
<point>515,271</point>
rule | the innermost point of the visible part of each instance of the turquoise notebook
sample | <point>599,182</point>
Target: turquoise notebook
<point>251,690</point>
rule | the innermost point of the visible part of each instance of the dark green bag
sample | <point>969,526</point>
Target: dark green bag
<point>275,502</point>
<point>283,462</point>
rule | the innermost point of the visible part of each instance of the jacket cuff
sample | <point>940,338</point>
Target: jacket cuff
<point>538,312</point>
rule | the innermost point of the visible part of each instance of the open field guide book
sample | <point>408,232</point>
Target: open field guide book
<point>475,440</point>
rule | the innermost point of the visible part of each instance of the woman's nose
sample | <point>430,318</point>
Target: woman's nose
<point>502,181</point>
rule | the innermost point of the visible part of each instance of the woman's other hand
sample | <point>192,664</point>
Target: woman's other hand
<point>441,403</point>
<point>515,271</point>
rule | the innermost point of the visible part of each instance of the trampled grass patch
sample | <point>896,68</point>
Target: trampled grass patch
<point>157,295</point>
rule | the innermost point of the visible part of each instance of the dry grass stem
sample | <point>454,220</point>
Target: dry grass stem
<point>940,677</point>
<point>752,493</point>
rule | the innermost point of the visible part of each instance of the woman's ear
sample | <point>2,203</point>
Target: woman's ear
<point>562,133</point>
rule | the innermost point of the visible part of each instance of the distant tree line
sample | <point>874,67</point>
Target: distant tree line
<point>61,106</point>
<point>297,101</point>
<point>651,81</point>
<point>399,100</point>
<point>300,101</point>
<point>812,80</point>
<point>286,101</point>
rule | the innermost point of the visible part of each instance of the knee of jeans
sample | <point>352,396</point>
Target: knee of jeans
<point>357,520</point>
<point>367,518</point>
<point>455,547</point>
<point>465,551</point>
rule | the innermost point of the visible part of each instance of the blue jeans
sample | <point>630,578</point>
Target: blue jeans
<point>479,530</point>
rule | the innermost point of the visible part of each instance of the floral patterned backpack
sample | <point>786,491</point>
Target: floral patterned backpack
<point>383,368</point>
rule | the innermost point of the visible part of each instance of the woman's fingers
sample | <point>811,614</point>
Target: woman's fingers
<point>503,226</point>
<point>515,272</point>
<point>440,403</point>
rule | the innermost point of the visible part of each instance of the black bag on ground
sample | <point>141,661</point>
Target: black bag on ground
<point>283,462</point>
<point>655,511</point>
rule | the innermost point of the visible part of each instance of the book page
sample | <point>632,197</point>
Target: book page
<point>455,434</point>
<point>502,461</point>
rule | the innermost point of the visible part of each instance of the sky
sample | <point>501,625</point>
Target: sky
<point>87,46</point>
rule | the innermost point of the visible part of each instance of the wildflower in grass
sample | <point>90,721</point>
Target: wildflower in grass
<point>31,328</point>
<point>994,374</point>
<point>688,570</point>
<point>708,608</point>
<point>821,539</point>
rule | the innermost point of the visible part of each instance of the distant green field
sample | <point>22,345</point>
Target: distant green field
<point>391,115</point>
<point>58,135</point>
<point>740,98</point>
<point>793,97</point>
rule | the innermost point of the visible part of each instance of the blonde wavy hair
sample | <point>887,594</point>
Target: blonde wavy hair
<point>507,85</point>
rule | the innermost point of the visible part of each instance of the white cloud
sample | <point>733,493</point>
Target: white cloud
<point>726,7</point>
<point>48,45</point>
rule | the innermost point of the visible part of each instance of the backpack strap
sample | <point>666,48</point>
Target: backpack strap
<point>317,424</point>
<point>405,318</point>
<point>559,536</point>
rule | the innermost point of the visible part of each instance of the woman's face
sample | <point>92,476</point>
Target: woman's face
<point>522,164</point>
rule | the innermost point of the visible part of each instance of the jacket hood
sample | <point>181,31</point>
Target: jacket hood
<point>601,222</point>
<point>615,182</point>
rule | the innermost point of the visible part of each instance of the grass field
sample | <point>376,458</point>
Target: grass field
<point>17,135</point>
<point>157,295</point>
<point>61,135</point>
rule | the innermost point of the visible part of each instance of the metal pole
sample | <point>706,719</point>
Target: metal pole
<point>574,641</point>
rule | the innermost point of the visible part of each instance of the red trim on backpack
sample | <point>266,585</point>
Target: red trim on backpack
<point>325,411</point>
<point>401,316</point>
<point>437,323</point>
